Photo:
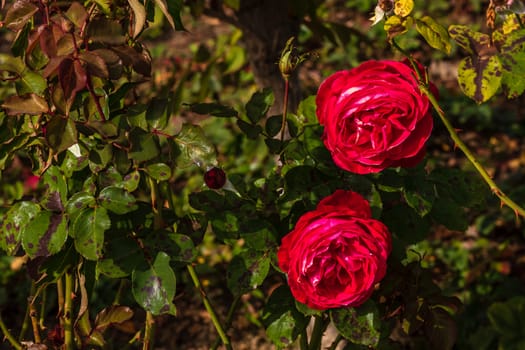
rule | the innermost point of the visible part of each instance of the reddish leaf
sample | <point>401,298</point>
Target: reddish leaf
<point>140,61</point>
<point>112,315</point>
<point>77,14</point>
<point>52,66</point>
<point>48,42</point>
<point>72,77</point>
<point>95,64</point>
<point>26,104</point>
<point>112,61</point>
<point>19,14</point>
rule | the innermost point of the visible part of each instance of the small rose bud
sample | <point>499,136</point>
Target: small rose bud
<point>215,178</point>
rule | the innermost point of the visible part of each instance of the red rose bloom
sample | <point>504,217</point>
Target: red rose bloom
<point>336,253</point>
<point>375,116</point>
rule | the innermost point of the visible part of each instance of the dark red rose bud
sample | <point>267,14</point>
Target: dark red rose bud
<point>215,178</point>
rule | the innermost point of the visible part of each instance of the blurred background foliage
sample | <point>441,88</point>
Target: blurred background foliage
<point>480,260</point>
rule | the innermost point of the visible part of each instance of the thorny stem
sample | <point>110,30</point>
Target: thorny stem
<point>211,311</point>
<point>303,340</point>
<point>229,319</point>
<point>505,200</point>
<point>320,325</point>
<point>149,332</point>
<point>285,108</point>
<point>25,323</point>
<point>518,210</point>
<point>14,343</point>
<point>68,312</point>
<point>34,321</point>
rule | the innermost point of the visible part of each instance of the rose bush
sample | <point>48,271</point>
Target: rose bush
<point>336,253</point>
<point>375,116</point>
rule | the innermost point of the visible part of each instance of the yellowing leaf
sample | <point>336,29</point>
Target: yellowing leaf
<point>403,8</point>
<point>139,13</point>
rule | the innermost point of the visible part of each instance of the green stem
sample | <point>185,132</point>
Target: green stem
<point>229,319</point>
<point>285,108</point>
<point>25,323</point>
<point>149,332</point>
<point>518,210</point>
<point>211,311</point>
<point>34,321</point>
<point>303,340</point>
<point>14,343</point>
<point>68,312</point>
<point>317,333</point>
<point>121,288</point>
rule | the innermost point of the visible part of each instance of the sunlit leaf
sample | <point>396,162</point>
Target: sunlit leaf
<point>359,325</point>
<point>117,200</point>
<point>13,222</point>
<point>115,314</point>
<point>139,16</point>
<point>88,232</point>
<point>25,104</point>
<point>195,147</point>
<point>434,33</point>
<point>45,234</point>
<point>19,13</point>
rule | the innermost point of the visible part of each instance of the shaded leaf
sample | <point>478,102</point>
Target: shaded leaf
<point>273,125</point>
<point>106,31</point>
<point>96,65</point>
<point>158,113</point>
<point>447,212</point>
<point>73,78</point>
<point>259,104</point>
<point>154,288</point>
<point>78,202</point>
<point>251,130</point>
<point>213,109</point>
<point>164,8</point>
<point>61,133</point>
<point>247,271</point>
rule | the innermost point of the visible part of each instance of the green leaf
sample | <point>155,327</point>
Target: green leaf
<point>61,133</point>
<point>77,14</point>
<point>273,125</point>
<point>159,171</point>
<point>259,104</point>
<point>512,57</point>
<point>247,271</point>
<point>154,288</point>
<point>157,113</point>
<point>99,157</point>
<point>179,247</point>
<point>78,202</point>
<point>251,130</point>
<point>121,256</point>
<point>164,8</point>
<point>195,147</point>
<point>11,64</point>
<point>25,104</point>
<point>282,320</point>
<point>434,33</point>
<point>31,82</point>
<point>479,77</point>
<point>115,314</point>
<point>117,200</point>
<point>508,317</point>
<point>56,189</point>
<point>130,182</point>
<point>88,232</point>
<point>306,111</point>
<point>404,223</point>
<point>144,145</point>
<point>447,212</point>
<point>359,325</point>
<point>213,109</point>
<point>13,222</point>
<point>174,8</point>
<point>45,234</point>
<point>441,329</point>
